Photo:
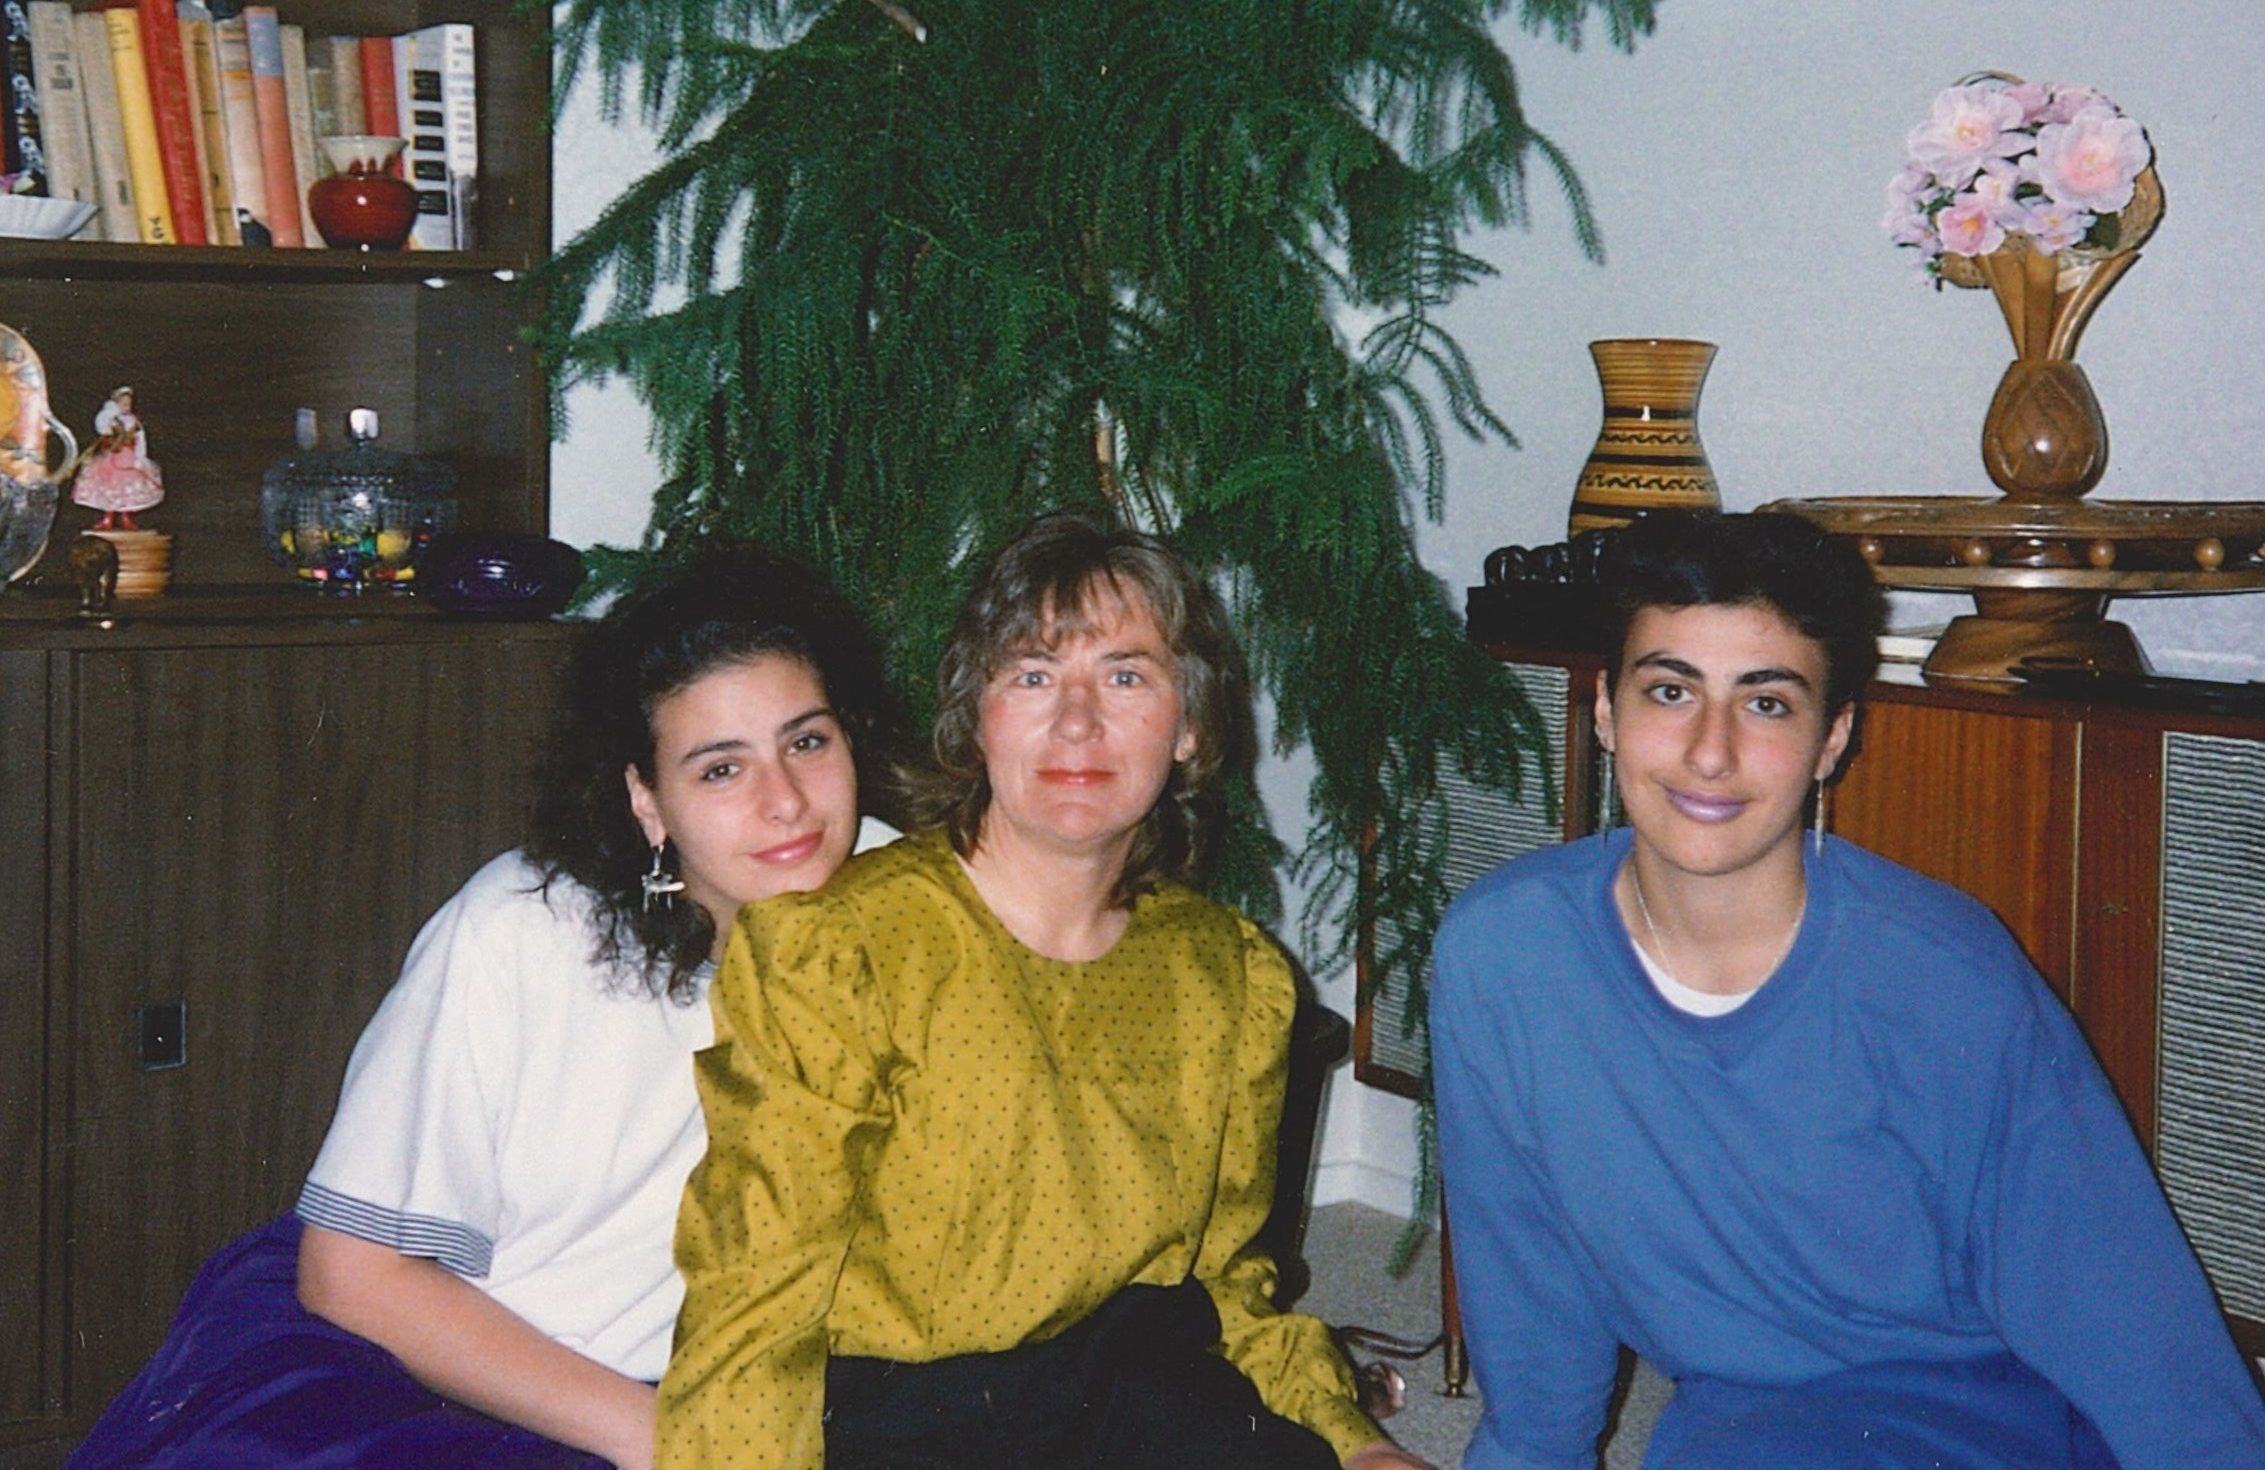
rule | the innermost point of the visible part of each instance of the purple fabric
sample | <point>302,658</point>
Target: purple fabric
<point>247,1379</point>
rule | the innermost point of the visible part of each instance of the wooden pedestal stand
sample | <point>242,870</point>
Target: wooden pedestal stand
<point>2041,575</point>
<point>145,561</point>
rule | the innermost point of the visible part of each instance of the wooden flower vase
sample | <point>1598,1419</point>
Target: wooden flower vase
<point>2041,561</point>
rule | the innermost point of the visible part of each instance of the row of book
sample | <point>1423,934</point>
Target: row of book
<point>196,122</point>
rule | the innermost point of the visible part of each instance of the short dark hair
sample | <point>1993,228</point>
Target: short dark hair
<point>1036,591</point>
<point>677,624</point>
<point>1762,558</point>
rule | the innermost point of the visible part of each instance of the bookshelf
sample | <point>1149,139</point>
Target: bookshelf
<point>222,344</point>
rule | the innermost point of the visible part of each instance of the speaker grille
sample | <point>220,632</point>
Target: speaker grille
<point>1485,829</point>
<point>2210,1130</point>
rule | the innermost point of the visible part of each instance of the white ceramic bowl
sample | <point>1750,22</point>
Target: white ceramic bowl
<point>32,217</point>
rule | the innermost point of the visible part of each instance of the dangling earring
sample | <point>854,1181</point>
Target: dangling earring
<point>660,884</point>
<point>1606,797</point>
<point>1819,828</point>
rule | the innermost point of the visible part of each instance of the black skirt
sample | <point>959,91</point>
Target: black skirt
<point>1135,1386</point>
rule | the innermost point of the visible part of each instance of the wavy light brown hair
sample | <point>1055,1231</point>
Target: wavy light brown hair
<point>1039,589</point>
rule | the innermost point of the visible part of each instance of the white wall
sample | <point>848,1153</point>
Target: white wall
<point>1737,164</point>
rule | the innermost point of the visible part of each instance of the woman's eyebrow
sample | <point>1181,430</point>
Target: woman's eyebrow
<point>1684,670</point>
<point>814,713</point>
<point>713,747</point>
<point>1670,663</point>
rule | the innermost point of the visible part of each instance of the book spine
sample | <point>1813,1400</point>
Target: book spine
<point>203,63</point>
<point>346,83</point>
<point>322,93</point>
<point>380,107</point>
<point>175,118</point>
<point>247,176</point>
<point>26,154</point>
<point>153,215</point>
<point>62,106</point>
<point>272,108</point>
<point>106,131</point>
<point>198,144</point>
<point>417,58</point>
<point>301,110</point>
<point>460,111</point>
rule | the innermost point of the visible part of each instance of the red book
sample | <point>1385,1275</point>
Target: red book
<point>381,100</point>
<point>176,113</point>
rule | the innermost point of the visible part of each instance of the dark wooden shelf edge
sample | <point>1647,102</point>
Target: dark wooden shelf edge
<point>101,260</point>
<point>233,616</point>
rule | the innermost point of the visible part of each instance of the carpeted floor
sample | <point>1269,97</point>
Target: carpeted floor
<point>1347,1245</point>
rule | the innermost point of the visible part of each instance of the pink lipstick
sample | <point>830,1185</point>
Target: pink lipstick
<point>1702,808</point>
<point>786,854</point>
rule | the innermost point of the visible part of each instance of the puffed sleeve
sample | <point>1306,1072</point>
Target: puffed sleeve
<point>796,1105</point>
<point>1288,1356</point>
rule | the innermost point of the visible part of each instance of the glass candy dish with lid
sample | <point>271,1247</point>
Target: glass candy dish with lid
<point>358,518</point>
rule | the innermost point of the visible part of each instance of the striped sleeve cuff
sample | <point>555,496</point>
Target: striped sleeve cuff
<point>458,1247</point>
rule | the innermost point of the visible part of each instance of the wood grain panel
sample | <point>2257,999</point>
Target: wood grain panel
<point>1983,801</point>
<point>2119,903</point>
<point>482,399</point>
<point>28,1306</point>
<point>261,830</point>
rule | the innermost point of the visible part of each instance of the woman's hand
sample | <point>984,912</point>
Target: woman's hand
<point>1383,1454</point>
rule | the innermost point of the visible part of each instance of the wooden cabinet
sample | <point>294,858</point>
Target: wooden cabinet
<point>243,823</point>
<point>222,344</point>
<point>224,815</point>
<point>2123,845</point>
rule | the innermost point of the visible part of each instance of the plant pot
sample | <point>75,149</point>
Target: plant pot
<point>1647,456</point>
<point>362,207</point>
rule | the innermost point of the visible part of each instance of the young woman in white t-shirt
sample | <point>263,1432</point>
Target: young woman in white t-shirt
<point>479,1268</point>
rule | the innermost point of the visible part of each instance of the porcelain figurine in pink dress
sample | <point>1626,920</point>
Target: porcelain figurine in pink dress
<point>119,478</point>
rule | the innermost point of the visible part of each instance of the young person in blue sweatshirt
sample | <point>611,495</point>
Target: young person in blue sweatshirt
<point>1802,1128</point>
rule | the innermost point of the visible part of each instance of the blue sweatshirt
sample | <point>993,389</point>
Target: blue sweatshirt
<point>1900,1149</point>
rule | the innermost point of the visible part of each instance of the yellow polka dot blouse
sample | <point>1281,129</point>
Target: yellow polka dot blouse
<point>925,1139</point>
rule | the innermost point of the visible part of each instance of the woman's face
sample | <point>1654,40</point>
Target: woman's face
<point>1079,739</point>
<point>1719,729</point>
<point>753,782</point>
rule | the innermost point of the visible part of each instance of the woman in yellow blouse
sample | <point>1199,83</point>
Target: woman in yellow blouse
<point>992,1119</point>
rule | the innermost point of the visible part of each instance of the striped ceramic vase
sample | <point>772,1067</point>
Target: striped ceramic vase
<point>1647,455</point>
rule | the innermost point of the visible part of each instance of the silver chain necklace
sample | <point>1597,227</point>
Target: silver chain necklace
<point>1636,882</point>
<point>1659,945</point>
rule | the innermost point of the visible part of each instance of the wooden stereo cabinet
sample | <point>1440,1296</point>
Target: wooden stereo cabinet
<point>2123,844</point>
<point>224,814</point>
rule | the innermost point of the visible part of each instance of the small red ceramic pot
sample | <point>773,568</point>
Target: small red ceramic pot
<point>362,206</point>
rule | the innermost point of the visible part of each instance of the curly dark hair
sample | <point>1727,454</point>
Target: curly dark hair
<point>683,621</point>
<point>1037,591</point>
<point>1762,558</point>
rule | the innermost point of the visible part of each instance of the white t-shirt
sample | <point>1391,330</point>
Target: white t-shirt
<point>525,1119</point>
